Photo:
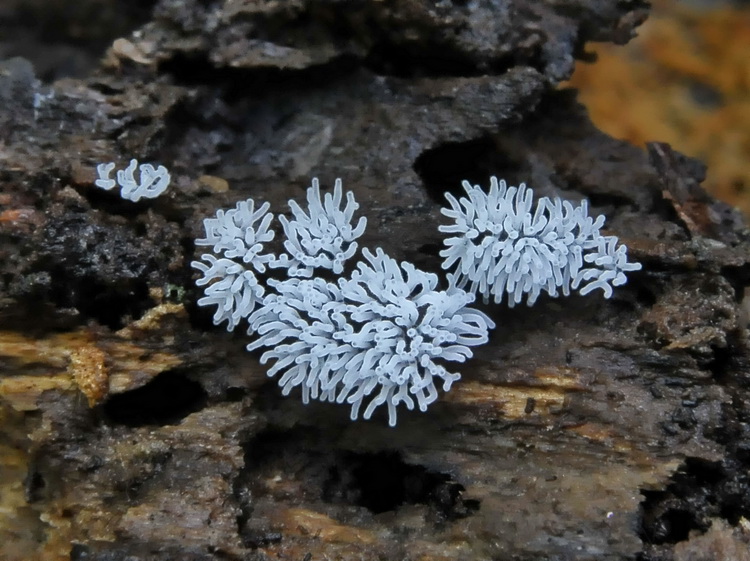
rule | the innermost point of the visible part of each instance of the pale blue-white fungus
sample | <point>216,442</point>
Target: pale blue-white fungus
<point>151,182</point>
<point>504,245</point>
<point>237,237</point>
<point>380,336</point>
<point>322,237</point>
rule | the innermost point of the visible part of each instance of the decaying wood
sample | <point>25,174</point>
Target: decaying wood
<point>132,428</point>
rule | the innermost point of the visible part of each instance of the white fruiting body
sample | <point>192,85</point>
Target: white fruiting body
<point>507,246</point>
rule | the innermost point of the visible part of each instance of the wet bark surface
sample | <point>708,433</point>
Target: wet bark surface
<point>133,428</point>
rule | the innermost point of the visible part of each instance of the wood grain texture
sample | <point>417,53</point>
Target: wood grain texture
<point>132,428</point>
